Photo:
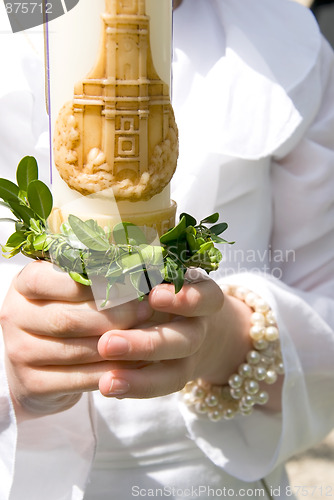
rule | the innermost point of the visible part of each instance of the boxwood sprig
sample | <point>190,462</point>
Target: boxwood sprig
<point>85,250</point>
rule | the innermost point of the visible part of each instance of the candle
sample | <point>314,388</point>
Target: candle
<point>114,135</point>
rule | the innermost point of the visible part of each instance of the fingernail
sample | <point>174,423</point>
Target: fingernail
<point>163,297</point>
<point>118,386</point>
<point>144,311</point>
<point>117,346</point>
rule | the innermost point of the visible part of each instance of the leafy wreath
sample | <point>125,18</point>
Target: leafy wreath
<point>84,249</point>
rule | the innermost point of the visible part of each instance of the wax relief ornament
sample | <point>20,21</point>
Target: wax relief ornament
<point>119,130</point>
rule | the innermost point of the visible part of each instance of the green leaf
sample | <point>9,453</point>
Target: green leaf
<point>27,171</point>
<point>130,262</point>
<point>211,219</point>
<point>22,212</point>
<point>152,255</point>
<point>190,220</point>
<point>114,270</point>
<point>95,227</point>
<point>205,247</point>
<point>170,269</point>
<point>35,225</point>
<point>140,283</point>
<point>79,278</point>
<point>178,280</point>
<point>146,253</point>
<point>126,233</point>
<point>200,241</point>
<point>15,241</point>
<point>40,198</point>
<point>176,232</point>
<point>192,240</point>
<point>8,191</point>
<point>40,242</point>
<point>10,251</point>
<point>88,235</point>
<point>218,239</point>
<point>219,228</point>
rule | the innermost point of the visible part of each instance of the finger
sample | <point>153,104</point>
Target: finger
<point>154,380</point>
<point>48,381</point>
<point>36,351</point>
<point>42,280</point>
<point>194,299</point>
<point>174,340</point>
<point>80,319</point>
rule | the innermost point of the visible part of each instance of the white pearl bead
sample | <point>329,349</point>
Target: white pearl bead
<point>215,415</point>
<point>260,344</point>
<point>257,319</point>
<point>211,400</point>
<point>235,381</point>
<point>237,393</point>
<point>262,398</point>
<point>245,370</point>
<point>241,293</point>
<point>246,411</point>
<point>280,368</point>
<point>267,360</point>
<point>250,299</point>
<point>271,333</point>
<point>201,407</point>
<point>229,413</point>
<point>257,332</point>
<point>251,387</point>
<point>198,392</point>
<point>247,400</point>
<point>253,357</point>
<point>261,306</point>
<point>260,373</point>
<point>271,377</point>
<point>270,318</point>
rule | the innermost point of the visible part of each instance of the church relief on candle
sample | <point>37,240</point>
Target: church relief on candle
<point>119,130</point>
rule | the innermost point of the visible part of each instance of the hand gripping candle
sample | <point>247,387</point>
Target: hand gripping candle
<point>114,136</point>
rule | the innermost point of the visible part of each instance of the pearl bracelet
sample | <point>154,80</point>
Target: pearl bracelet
<point>263,364</point>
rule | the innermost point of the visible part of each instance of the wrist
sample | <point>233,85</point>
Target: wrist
<point>234,341</point>
<point>262,367</point>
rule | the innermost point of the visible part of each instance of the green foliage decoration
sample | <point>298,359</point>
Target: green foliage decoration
<point>85,250</point>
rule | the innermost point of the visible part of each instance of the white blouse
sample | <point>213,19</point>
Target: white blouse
<point>254,101</point>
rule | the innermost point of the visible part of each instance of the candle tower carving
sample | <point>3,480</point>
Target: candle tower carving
<point>117,139</point>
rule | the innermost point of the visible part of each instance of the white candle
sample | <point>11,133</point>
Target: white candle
<point>75,53</point>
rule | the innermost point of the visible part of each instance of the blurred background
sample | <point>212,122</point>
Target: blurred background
<point>311,474</point>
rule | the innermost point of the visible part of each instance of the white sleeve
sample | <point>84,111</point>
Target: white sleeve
<point>303,300</point>
<point>46,457</point>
